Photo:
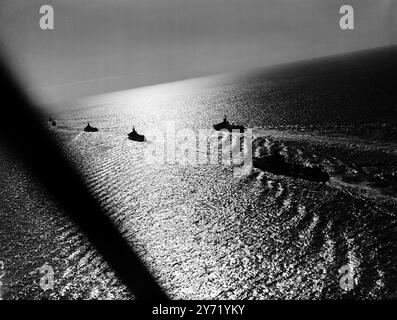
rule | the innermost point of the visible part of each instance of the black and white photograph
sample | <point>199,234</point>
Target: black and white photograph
<point>209,150</point>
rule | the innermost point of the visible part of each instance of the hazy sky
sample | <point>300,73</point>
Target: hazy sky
<point>105,45</point>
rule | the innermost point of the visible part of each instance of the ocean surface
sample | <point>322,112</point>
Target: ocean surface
<point>202,231</point>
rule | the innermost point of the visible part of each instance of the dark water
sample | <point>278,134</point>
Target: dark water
<point>205,233</point>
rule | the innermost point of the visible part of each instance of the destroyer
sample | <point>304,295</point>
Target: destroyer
<point>135,136</point>
<point>88,128</point>
<point>225,124</point>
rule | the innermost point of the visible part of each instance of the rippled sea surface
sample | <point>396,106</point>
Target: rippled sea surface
<point>203,232</point>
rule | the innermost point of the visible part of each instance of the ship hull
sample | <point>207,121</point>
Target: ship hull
<point>230,128</point>
<point>292,170</point>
